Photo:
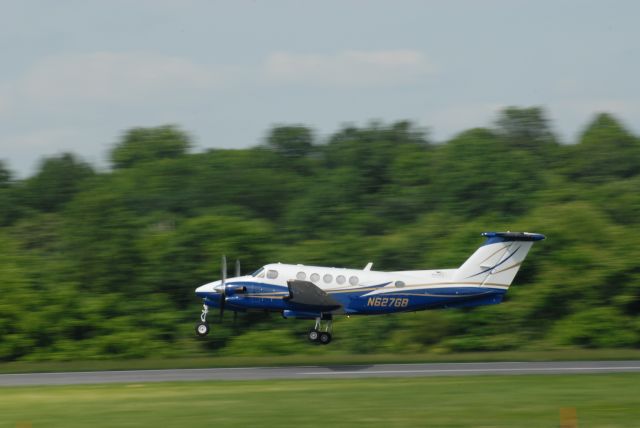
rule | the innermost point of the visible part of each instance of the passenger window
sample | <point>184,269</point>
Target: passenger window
<point>272,274</point>
<point>399,284</point>
<point>301,276</point>
<point>340,279</point>
<point>315,277</point>
<point>327,278</point>
<point>354,280</point>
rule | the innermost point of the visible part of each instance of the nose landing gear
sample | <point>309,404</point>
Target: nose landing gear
<point>202,328</point>
<point>320,334</point>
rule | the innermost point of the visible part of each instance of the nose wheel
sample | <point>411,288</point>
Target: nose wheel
<point>202,328</point>
<point>320,334</point>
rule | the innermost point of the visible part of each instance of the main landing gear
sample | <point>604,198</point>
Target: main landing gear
<point>202,328</point>
<point>320,334</point>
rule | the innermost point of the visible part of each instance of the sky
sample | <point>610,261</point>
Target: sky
<point>75,75</point>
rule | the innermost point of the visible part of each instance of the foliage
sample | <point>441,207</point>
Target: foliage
<point>103,265</point>
<point>291,142</point>
<point>606,151</point>
<point>149,144</point>
<point>58,180</point>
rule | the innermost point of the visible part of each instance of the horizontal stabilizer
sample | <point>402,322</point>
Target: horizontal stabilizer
<point>308,294</point>
<point>512,236</point>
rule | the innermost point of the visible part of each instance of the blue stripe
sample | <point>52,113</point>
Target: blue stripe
<point>495,266</point>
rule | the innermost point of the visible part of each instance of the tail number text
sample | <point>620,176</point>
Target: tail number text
<point>388,302</point>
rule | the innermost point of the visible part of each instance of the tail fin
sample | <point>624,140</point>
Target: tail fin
<point>498,260</point>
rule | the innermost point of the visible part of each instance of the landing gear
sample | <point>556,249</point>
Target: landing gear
<point>325,338</point>
<point>202,328</point>
<point>313,335</point>
<point>320,334</point>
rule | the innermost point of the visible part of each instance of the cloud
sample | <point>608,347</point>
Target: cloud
<point>132,78</point>
<point>111,77</point>
<point>349,68</point>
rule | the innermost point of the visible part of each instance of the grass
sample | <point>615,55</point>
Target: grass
<point>327,359</point>
<point>601,400</point>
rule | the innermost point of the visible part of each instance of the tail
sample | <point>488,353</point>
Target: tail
<point>498,260</point>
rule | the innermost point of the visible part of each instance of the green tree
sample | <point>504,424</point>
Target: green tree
<point>147,144</point>
<point>475,173</point>
<point>176,260</point>
<point>596,328</point>
<point>5,176</point>
<point>9,207</point>
<point>104,265</point>
<point>251,178</point>
<point>58,179</point>
<point>99,235</point>
<point>291,142</point>
<point>527,129</point>
<point>371,150</point>
<point>606,151</point>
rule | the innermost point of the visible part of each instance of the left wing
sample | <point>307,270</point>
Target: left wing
<point>308,294</point>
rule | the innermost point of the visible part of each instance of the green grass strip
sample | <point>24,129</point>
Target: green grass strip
<point>610,400</point>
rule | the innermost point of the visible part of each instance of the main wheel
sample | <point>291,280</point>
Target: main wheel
<point>313,335</point>
<point>202,329</point>
<point>325,338</point>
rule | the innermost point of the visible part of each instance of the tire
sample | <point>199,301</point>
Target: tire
<point>325,338</point>
<point>202,329</point>
<point>313,335</point>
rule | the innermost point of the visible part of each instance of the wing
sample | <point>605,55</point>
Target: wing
<point>306,293</point>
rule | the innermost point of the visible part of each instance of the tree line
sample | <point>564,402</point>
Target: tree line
<point>103,264</point>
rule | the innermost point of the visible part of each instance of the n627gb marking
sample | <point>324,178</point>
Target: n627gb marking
<point>388,302</point>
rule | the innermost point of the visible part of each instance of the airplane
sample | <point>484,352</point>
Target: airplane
<point>320,293</point>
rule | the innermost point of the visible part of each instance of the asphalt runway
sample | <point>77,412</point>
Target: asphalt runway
<point>320,372</point>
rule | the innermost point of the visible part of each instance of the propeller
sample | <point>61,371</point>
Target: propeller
<point>223,288</point>
<point>235,313</point>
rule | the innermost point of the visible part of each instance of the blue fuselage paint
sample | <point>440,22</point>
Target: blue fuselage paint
<point>269,297</point>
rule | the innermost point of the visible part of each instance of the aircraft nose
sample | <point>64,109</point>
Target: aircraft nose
<point>204,290</point>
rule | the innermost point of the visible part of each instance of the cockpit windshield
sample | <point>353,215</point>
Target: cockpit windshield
<point>258,272</point>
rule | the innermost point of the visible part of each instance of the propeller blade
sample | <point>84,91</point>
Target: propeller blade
<point>237,268</point>
<point>224,269</point>
<point>223,291</point>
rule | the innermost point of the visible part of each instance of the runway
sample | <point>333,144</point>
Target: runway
<point>320,372</point>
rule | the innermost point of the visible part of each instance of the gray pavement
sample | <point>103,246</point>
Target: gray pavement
<point>320,372</point>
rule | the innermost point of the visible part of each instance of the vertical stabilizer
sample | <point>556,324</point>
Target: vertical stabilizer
<point>498,260</point>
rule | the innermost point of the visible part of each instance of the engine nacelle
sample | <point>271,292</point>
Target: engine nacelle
<point>301,315</point>
<point>230,290</point>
